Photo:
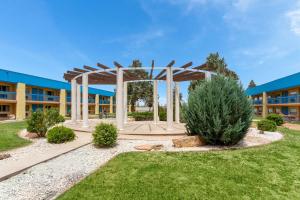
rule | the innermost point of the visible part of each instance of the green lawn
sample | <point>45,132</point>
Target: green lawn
<point>9,138</point>
<point>268,172</point>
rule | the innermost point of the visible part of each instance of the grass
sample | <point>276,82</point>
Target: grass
<point>267,172</point>
<point>9,138</point>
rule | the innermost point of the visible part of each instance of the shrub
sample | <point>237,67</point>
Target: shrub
<point>105,135</point>
<point>36,123</point>
<point>266,125</point>
<point>278,119</point>
<point>53,117</point>
<point>60,134</point>
<point>142,116</point>
<point>39,122</point>
<point>162,113</point>
<point>218,111</point>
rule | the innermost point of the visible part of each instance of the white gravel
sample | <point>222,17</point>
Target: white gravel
<point>49,179</point>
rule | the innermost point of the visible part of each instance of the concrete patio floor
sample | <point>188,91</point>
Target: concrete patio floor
<point>145,130</point>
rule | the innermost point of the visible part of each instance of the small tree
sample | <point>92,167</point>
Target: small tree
<point>140,90</point>
<point>216,64</point>
<point>218,111</point>
<point>251,84</point>
<point>39,122</point>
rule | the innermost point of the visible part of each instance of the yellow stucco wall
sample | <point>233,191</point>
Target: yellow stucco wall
<point>21,101</point>
<point>111,108</point>
<point>62,102</point>
<point>97,104</point>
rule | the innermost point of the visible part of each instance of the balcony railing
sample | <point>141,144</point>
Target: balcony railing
<point>257,101</point>
<point>91,100</point>
<point>8,95</point>
<point>41,97</point>
<point>104,101</point>
<point>284,100</point>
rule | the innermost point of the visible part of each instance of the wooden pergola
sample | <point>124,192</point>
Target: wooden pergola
<point>119,75</point>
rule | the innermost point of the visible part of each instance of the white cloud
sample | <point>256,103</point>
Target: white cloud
<point>294,17</point>
<point>242,5</point>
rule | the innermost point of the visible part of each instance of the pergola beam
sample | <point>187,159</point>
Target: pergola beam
<point>152,68</point>
<point>164,70</point>
<point>183,67</point>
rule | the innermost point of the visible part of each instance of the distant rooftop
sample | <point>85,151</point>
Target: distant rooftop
<point>278,84</point>
<point>16,77</point>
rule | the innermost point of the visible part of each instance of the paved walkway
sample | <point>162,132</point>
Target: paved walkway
<point>39,151</point>
<point>292,126</point>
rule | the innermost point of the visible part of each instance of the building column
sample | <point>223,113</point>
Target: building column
<point>21,101</point>
<point>177,103</point>
<point>97,104</point>
<point>125,102</point>
<point>119,100</point>
<point>85,103</point>
<point>264,105</point>
<point>73,100</point>
<point>62,102</point>
<point>169,99</point>
<point>78,102</point>
<point>155,102</point>
<point>111,104</point>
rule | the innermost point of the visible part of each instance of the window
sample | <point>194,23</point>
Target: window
<point>292,111</point>
<point>4,88</point>
<point>270,110</point>
<point>4,108</point>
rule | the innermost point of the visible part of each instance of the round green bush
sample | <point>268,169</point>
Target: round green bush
<point>60,134</point>
<point>278,119</point>
<point>219,111</point>
<point>105,135</point>
<point>266,125</point>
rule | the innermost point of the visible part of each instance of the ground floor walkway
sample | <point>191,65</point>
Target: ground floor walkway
<point>39,151</point>
<point>292,126</point>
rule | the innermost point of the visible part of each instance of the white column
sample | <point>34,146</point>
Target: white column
<point>169,99</point>
<point>125,102</point>
<point>208,75</point>
<point>119,100</point>
<point>155,102</point>
<point>85,104</point>
<point>177,103</point>
<point>78,116</point>
<point>73,100</point>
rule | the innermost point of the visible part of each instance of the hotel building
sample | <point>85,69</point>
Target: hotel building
<point>280,96</point>
<point>21,94</point>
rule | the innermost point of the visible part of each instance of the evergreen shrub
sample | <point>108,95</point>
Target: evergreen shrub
<point>105,135</point>
<point>266,125</point>
<point>60,134</point>
<point>219,111</point>
<point>278,119</point>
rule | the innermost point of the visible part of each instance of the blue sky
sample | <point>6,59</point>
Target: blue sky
<point>260,40</point>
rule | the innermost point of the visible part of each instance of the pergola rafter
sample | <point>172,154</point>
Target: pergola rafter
<point>120,75</point>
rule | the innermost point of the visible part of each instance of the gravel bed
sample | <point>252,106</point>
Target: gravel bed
<point>49,179</point>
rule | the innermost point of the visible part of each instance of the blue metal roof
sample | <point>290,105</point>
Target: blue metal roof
<point>279,84</point>
<point>16,77</point>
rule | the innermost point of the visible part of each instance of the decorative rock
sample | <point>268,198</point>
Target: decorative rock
<point>188,141</point>
<point>31,135</point>
<point>149,147</point>
<point>4,156</point>
<point>260,132</point>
